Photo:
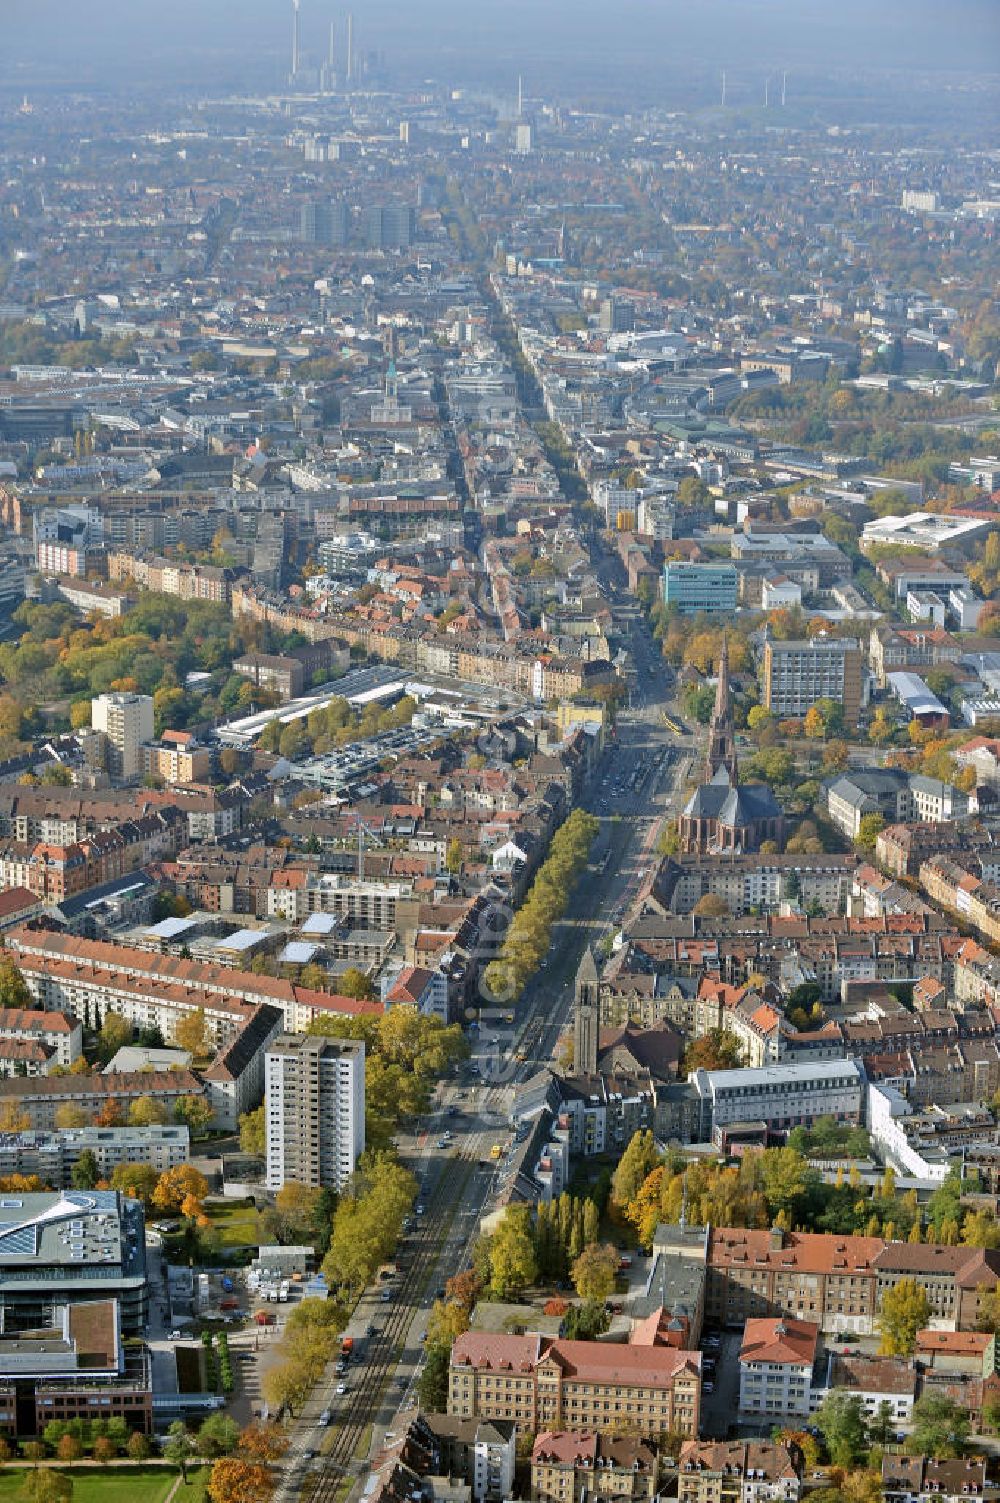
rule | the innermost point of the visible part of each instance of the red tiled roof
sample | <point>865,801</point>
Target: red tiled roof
<point>816,1252</point>
<point>969,1343</point>
<point>567,1446</point>
<point>12,899</point>
<point>781,1340</point>
<point>592,1361</point>
<point>31,1020</point>
<point>141,969</point>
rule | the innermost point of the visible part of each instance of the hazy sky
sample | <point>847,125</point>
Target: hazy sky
<point>230,39</point>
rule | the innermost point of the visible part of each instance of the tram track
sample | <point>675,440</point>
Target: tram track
<point>383,1351</point>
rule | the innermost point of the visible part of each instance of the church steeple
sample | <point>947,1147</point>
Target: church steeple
<point>721,740</point>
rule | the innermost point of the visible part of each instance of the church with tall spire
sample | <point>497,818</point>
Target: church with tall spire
<point>721,736</point>
<point>725,815</point>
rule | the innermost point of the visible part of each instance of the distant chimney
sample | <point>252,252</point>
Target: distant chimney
<point>777,1237</point>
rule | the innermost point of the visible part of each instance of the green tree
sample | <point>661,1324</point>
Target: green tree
<point>711,905</point>
<point>85,1172</point>
<point>940,1427</point>
<point>253,1132</point>
<point>218,1435</point>
<point>148,1112</point>
<point>693,491</point>
<point>980,1229</point>
<point>191,1033</point>
<point>196,1112</point>
<point>831,714</point>
<point>512,1254</point>
<point>904,1311</point>
<point>116,1031</point>
<point>718,1049</point>
<point>44,1485</point>
<point>353,982</point>
<point>669,841</point>
<point>136,1180</point>
<point>883,1426</point>
<point>638,1160</point>
<point>295,1211</point>
<point>14,991</point>
<point>178,1447</point>
<point>69,1114</point>
<point>870,828</point>
<point>453,857</point>
<point>432,1385</point>
<point>368,1221</point>
<point>293,742</point>
<point>56,775</point>
<point>594,1272</point>
<point>587,1321</point>
<point>759,721</point>
<point>786,1176</point>
<point>945,1205</point>
<point>841,1422</point>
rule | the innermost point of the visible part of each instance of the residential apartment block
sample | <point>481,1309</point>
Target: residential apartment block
<point>737,1471</point>
<point>572,1466</point>
<point>482,1452</point>
<point>90,977</point>
<point>42,1096</point>
<point>167,576</point>
<point>52,1155</point>
<point>895,794</point>
<point>60,1031</point>
<point>777,1358</point>
<point>176,758</point>
<point>927,1479</point>
<point>314,1102</point>
<point>127,721</point>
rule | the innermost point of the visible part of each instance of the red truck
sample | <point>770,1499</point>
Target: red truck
<point>347,1346</point>
<point>264,1318</point>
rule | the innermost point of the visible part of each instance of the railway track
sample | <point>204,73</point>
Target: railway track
<point>382,1352</point>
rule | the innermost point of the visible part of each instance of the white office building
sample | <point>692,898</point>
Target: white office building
<point>781,1096</point>
<point>314,1098</point>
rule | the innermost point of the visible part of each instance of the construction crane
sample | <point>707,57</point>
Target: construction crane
<point>374,839</point>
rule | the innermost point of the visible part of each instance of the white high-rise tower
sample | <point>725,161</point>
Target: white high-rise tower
<point>314,1105</point>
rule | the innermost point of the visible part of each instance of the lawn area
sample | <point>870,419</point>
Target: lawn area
<point>237,1223</point>
<point>113,1484</point>
<point>195,1491</point>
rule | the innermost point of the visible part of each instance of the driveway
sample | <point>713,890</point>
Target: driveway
<point>718,1409</point>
